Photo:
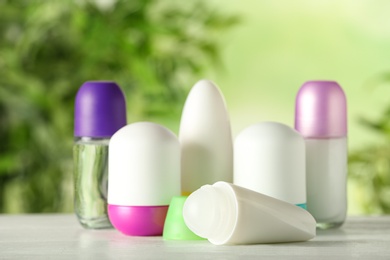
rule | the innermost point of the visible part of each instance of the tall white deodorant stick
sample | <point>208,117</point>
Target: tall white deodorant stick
<point>269,158</point>
<point>205,137</point>
<point>143,176</point>
<point>321,117</point>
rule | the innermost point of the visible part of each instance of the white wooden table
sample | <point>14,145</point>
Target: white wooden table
<point>61,237</point>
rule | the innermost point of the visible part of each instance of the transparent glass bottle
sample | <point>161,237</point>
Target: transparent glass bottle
<point>100,111</point>
<point>91,181</point>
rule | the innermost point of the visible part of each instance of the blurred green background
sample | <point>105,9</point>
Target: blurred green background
<point>258,52</point>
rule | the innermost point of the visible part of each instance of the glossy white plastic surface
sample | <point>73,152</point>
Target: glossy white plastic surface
<point>269,158</point>
<point>326,180</point>
<point>229,214</point>
<point>205,137</point>
<point>144,166</point>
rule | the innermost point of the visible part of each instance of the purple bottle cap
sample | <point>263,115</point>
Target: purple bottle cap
<point>100,109</point>
<point>321,110</point>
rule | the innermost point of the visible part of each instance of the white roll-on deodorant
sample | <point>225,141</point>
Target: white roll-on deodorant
<point>269,158</point>
<point>321,117</point>
<point>228,214</point>
<point>143,176</point>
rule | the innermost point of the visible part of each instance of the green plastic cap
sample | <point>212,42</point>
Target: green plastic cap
<point>174,227</point>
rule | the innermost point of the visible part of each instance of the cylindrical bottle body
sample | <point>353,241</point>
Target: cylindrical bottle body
<point>326,169</point>
<point>90,157</point>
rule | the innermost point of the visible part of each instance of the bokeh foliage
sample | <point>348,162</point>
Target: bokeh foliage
<point>369,167</point>
<point>154,49</point>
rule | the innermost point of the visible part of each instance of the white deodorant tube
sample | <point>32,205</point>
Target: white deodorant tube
<point>228,214</point>
<point>321,117</point>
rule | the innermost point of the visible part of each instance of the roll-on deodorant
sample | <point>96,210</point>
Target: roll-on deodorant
<point>228,214</point>
<point>269,158</point>
<point>100,110</point>
<point>321,117</point>
<point>205,137</point>
<point>143,176</point>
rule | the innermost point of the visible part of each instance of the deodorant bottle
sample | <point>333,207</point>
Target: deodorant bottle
<point>321,117</point>
<point>269,158</point>
<point>228,214</point>
<point>100,110</point>
<point>205,137</point>
<point>143,176</point>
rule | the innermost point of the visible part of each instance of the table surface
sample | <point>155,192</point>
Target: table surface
<point>57,236</point>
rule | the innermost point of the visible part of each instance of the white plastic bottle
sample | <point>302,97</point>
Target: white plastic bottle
<point>228,214</point>
<point>205,137</point>
<point>143,176</point>
<point>269,158</point>
<point>321,117</point>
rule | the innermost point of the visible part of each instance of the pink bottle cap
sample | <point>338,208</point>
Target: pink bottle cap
<point>321,110</point>
<point>138,220</point>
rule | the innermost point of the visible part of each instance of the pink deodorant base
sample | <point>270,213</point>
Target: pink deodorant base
<point>138,220</point>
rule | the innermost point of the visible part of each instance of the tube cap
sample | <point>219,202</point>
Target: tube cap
<point>174,227</point>
<point>100,109</point>
<point>321,110</point>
